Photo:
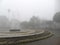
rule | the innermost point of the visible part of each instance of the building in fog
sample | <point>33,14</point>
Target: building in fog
<point>4,23</point>
<point>57,5</point>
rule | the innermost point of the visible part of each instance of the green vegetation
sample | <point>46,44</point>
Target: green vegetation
<point>33,23</point>
<point>56,17</point>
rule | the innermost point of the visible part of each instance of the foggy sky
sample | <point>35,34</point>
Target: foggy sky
<point>25,9</point>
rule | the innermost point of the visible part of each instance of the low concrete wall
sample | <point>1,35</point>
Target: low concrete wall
<point>24,39</point>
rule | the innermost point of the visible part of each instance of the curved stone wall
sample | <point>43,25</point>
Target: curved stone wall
<point>24,39</point>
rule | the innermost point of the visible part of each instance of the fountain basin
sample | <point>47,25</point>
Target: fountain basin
<point>11,38</point>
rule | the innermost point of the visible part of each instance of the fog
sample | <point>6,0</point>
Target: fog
<point>25,9</point>
<point>18,15</point>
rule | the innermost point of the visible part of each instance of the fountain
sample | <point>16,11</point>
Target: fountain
<point>22,37</point>
<point>16,36</point>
